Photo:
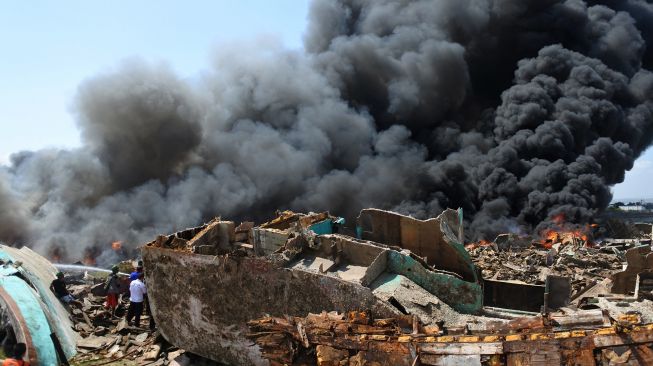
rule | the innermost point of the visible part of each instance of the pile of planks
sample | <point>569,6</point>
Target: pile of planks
<point>357,339</point>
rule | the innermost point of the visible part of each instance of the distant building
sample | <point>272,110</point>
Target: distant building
<point>632,208</point>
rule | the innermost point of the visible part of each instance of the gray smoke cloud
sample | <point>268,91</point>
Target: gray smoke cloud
<point>514,110</point>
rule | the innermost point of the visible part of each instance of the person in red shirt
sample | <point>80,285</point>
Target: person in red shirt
<point>19,352</point>
<point>112,287</point>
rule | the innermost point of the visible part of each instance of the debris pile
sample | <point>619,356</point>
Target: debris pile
<point>107,337</point>
<point>430,298</point>
<point>300,263</point>
<point>583,266</point>
<point>584,338</point>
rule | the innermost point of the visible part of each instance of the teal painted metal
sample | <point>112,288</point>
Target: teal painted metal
<point>463,296</point>
<point>323,227</point>
<point>69,348</point>
<point>359,232</point>
<point>326,226</point>
<point>36,322</point>
<point>460,248</point>
<point>44,301</point>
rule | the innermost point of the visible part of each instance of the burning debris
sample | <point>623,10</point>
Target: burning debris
<point>402,271</point>
<point>581,265</point>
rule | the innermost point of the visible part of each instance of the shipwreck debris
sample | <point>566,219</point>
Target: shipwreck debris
<point>582,338</point>
<point>418,275</point>
<point>305,254</point>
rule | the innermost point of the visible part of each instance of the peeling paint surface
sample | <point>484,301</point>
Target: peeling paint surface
<point>217,295</point>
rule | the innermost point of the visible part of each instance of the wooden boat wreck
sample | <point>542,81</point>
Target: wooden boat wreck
<point>579,338</point>
<point>213,279</point>
<point>241,294</point>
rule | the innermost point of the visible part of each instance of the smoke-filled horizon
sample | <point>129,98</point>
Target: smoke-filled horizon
<point>514,110</point>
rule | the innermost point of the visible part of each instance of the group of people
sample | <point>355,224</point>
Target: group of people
<point>137,294</point>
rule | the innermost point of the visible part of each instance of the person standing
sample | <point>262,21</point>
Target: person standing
<point>112,288</point>
<point>19,352</point>
<point>139,269</point>
<point>137,293</point>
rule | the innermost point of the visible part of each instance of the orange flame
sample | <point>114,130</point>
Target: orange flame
<point>480,243</point>
<point>558,219</point>
<point>89,261</point>
<point>552,236</point>
<point>565,236</point>
<point>56,253</point>
<point>116,245</point>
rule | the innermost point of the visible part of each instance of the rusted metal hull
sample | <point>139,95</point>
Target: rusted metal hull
<point>202,303</point>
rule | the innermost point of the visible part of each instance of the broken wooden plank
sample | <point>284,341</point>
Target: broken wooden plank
<point>450,360</point>
<point>461,348</point>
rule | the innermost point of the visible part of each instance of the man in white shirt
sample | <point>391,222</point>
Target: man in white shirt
<point>137,293</point>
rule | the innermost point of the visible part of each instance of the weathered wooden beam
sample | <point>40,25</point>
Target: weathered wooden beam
<point>461,348</point>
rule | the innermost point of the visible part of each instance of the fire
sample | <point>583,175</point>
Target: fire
<point>116,245</point>
<point>90,254</point>
<point>558,219</point>
<point>89,261</point>
<point>552,236</point>
<point>56,254</point>
<point>565,236</point>
<point>565,233</point>
<point>480,243</point>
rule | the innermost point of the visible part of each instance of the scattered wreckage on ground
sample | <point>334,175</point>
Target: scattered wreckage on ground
<point>57,334</point>
<point>271,294</point>
<point>305,289</point>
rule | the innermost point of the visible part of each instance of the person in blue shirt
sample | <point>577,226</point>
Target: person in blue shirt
<point>139,269</point>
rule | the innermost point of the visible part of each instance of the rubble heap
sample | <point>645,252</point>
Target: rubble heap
<point>583,338</point>
<point>109,338</point>
<point>430,299</point>
<point>583,266</point>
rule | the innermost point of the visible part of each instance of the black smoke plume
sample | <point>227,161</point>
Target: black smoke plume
<point>514,110</point>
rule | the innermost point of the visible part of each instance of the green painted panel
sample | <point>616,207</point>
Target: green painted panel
<point>463,296</point>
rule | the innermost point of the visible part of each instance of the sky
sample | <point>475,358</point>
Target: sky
<point>48,48</point>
